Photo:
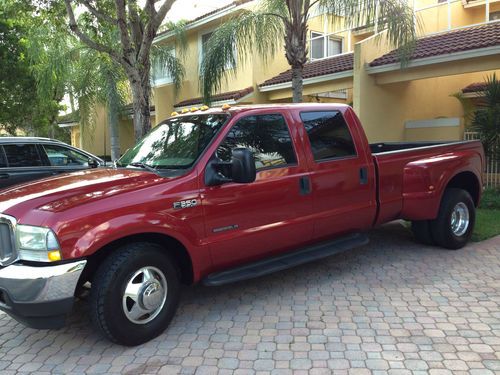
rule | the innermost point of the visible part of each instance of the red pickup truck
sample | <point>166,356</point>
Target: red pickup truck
<point>216,196</point>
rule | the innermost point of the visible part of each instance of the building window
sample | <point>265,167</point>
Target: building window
<point>322,45</point>
<point>495,16</point>
<point>161,73</point>
<point>203,42</point>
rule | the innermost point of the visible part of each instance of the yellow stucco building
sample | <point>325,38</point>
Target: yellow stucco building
<point>458,45</point>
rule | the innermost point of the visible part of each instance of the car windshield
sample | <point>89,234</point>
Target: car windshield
<point>176,143</point>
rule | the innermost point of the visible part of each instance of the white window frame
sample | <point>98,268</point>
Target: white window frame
<point>325,37</point>
<point>164,79</point>
<point>200,50</point>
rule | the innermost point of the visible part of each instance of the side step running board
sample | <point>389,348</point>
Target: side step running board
<point>288,260</point>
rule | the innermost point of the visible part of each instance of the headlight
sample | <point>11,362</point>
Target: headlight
<point>37,244</point>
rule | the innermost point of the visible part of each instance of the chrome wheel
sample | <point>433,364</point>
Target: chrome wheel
<point>145,295</point>
<point>460,219</point>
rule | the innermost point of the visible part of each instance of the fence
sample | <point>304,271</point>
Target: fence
<point>492,168</point>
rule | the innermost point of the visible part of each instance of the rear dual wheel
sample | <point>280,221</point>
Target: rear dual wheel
<point>454,224</point>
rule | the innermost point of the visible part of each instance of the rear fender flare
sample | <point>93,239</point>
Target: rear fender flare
<point>424,182</point>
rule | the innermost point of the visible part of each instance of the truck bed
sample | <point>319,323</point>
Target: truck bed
<point>409,175</point>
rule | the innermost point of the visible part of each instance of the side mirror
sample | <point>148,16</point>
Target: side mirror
<point>93,163</point>
<point>241,169</point>
<point>242,166</point>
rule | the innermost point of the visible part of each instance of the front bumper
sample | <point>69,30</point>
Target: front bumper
<point>39,297</point>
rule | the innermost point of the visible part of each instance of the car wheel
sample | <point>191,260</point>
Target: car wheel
<point>134,294</point>
<point>453,227</point>
<point>422,232</point>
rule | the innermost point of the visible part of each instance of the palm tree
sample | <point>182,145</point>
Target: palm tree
<point>98,81</point>
<point>264,29</point>
<point>50,55</point>
<point>486,118</point>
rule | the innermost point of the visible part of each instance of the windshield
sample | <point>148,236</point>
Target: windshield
<point>175,144</point>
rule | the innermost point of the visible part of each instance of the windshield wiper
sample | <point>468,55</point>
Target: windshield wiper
<point>143,166</point>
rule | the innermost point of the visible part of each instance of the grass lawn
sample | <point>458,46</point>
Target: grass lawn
<point>487,224</point>
<point>488,216</point>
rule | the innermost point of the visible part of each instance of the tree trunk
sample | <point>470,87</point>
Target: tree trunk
<point>141,90</point>
<point>114,138</point>
<point>113,107</point>
<point>297,84</point>
<point>296,45</point>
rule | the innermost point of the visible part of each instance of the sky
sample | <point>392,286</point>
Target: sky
<point>190,9</point>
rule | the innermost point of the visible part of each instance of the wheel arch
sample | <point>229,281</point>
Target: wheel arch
<point>176,250</point>
<point>467,181</point>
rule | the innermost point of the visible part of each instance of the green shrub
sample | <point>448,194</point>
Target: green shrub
<point>490,199</point>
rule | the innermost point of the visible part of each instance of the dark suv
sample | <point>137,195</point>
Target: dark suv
<point>25,159</point>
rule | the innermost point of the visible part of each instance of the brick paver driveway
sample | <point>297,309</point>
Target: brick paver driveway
<point>390,307</point>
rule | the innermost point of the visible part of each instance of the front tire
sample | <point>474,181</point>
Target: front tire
<point>453,227</point>
<point>134,294</point>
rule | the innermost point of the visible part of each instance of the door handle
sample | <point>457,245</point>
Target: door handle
<point>4,176</point>
<point>363,175</point>
<point>305,185</point>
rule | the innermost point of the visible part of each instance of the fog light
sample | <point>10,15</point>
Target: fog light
<point>54,255</point>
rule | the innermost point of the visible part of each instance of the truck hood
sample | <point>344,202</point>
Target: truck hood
<point>66,191</point>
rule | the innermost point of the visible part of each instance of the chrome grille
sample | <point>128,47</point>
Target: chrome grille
<point>8,253</point>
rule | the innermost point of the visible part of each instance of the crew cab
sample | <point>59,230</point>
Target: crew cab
<point>216,196</point>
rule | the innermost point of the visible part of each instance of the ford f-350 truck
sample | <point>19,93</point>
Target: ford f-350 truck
<point>216,196</point>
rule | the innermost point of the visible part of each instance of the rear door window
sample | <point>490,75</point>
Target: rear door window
<point>267,136</point>
<point>22,155</point>
<point>328,134</point>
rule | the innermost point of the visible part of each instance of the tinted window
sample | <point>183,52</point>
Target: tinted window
<point>266,135</point>
<point>22,155</point>
<point>3,162</point>
<point>328,134</point>
<point>60,156</point>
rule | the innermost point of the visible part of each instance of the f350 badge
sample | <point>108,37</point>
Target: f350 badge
<point>185,204</point>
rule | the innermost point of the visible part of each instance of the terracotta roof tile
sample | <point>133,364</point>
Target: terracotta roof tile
<point>466,39</point>
<point>316,68</point>
<point>230,95</point>
<point>475,87</point>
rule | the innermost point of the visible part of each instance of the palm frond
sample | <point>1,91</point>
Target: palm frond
<point>486,118</point>
<point>236,40</point>
<point>164,63</point>
<point>467,106</point>
<point>492,92</point>
<point>395,16</point>
<point>180,36</point>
